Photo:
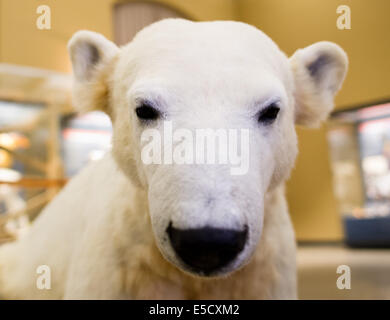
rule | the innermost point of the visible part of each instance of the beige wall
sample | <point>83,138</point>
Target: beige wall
<point>291,23</point>
<point>297,23</point>
<point>22,43</point>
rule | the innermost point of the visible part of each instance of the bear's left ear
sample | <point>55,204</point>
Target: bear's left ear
<point>319,71</point>
<point>92,57</point>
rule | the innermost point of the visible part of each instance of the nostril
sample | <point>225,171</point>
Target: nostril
<point>207,249</point>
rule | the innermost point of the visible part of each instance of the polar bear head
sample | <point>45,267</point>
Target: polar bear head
<point>178,82</point>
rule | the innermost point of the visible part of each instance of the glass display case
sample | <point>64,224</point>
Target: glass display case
<point>30,149</point>
<point>32,102</point>
<point>42,142</point>
<point>25,146</point>
<point>359,142</point>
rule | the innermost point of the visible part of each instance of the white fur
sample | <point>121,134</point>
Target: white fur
<point>104,236</point>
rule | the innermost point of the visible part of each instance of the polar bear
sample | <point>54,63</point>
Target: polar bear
<point>124,229</point>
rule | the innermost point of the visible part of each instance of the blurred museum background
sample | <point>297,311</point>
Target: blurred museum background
<point>339,192</point>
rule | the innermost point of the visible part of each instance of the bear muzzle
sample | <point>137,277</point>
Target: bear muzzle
<point>207,250</point>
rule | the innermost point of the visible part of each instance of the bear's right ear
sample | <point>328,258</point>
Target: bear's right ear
<point>92,57</point>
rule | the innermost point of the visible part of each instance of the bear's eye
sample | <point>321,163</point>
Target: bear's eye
<point>146,112</point>
<point>269,114</point>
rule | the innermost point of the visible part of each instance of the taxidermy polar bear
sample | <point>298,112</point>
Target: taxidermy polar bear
<point>125,229</point>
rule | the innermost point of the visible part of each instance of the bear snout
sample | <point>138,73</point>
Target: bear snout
<point>207,250</point>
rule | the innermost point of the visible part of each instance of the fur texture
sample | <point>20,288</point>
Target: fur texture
<point>104,235</point>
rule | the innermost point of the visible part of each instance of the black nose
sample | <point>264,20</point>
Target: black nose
<point>207,249</point>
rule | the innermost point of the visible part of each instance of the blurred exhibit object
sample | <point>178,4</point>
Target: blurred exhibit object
<point>131,17</point>
<point>359,141</point>
<point>84,138</point>
<point>42,142</point>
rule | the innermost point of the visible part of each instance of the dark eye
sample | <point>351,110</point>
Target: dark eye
<point>146,112</point>
<point>269,114</point>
